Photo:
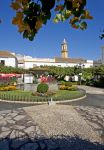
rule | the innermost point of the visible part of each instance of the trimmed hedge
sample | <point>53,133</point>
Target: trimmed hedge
<point>42,88</point>
<point>69,83</point>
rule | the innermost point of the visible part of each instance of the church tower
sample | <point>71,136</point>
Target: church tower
<point>64,49</point>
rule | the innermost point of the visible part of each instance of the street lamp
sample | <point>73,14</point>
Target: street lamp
<point>80,74</point>
<point>81,66</point>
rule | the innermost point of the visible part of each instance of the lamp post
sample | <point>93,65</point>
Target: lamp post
<point>81,66</point>
<point>78,71</point>
<point>80,74</point>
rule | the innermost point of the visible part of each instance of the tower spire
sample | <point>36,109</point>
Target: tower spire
<point>64,41</point>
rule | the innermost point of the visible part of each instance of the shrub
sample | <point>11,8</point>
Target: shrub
<point>8,88</point>
<point>3,84</point>
<point>47,94</point>
<point>61,83</point>
<point>74,83</point>
<point>99,83</point>
<point>68,84</point>
<point>62,87</point>
<point>70,88</point>
<point>42,88</point>
<point>11,87</point>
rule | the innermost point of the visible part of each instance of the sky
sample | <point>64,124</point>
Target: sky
<point>47,43</point>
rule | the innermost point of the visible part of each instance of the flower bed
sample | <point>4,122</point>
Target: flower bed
<point>8,88</point>
<point>65,87</point>
<point>19,95</point>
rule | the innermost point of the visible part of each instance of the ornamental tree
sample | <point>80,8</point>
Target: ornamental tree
<point>31,15</point>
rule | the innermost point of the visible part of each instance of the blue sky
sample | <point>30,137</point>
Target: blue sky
<point>47,43</point>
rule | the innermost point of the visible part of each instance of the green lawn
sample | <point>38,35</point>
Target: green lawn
<point>19,95</point>
<point>67,95</point>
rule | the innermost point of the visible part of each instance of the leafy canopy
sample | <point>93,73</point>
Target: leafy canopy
<point>102,35</point>
<point>31,15</point>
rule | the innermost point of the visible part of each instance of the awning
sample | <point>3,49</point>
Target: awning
<point>9,75</point>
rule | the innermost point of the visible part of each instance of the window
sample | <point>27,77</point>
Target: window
<point>2,62</point>
<point>34,65</point>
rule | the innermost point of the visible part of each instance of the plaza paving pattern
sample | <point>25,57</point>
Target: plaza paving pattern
<point>76,126</point>
<point>94,117</point>
<point>46,128</point>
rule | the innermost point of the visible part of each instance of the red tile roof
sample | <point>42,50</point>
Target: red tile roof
<point>69,60</point>
<point>6,54</point>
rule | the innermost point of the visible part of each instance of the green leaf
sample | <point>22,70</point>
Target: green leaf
<point>83,25</point>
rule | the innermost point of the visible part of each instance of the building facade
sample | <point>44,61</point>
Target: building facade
<point>8,59</point>
<point>27,62</point>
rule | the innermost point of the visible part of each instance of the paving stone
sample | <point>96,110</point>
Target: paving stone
<point>13,114</point>
<point>3,129</point>
<point>18,127</point>
<point>8,117</point>
<point>95,125</point>
<point>38,131</point>
<point>101,117</point>
<point>19,117</point>
<point>24,134</point>
<point>11,121</point>
<point>30,129</point>
<point>3,112</point>
<point>3,123</point>
<point>1,117</point>
<point>29,123</point>
<point>101,132</point>
<point>4,134</point>
<point>16,134</point>
<point>94,117</point>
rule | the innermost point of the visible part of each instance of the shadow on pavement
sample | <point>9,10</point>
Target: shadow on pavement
<point>42,143</point>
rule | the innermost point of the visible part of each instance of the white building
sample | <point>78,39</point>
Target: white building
<point>8,59</point>
<point>27,62</point>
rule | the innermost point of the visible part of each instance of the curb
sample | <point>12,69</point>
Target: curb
<point>73,100</point>
<point>21,102</point>
<point>56,102</point>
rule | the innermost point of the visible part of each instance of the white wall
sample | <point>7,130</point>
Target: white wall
<point>28,78</point>
<point>28,65</point>
<point>21,65</point>
<point>33,64</point>
<point>88,64</point>
<point>10,61</point>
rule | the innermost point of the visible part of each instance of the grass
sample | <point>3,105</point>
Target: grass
<point>19,95</point>
<point>67,95</point>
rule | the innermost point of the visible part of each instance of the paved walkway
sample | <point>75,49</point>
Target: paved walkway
<point>94,117</point>
<point>46,128</point>
<point>10,106</point>
<point>92,109</point>
<point>92,90</point>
